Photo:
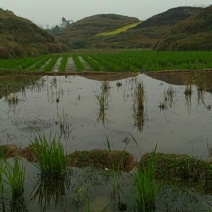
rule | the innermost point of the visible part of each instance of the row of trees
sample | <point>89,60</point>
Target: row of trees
<point>57,28</point>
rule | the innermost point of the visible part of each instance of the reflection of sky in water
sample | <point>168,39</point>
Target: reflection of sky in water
<point>68,105</point>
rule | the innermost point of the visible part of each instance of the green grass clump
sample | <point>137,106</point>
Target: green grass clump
<point>145,187</point>
<point>15,177</point>
<point>50,155</point>
<point>79,65</point>
<point>63,63</point>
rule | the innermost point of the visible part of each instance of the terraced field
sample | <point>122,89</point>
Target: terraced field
<point>116,61</point>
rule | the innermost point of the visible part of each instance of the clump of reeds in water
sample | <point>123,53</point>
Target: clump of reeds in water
<point>145,187</point>
<point>51,157</point>
<point>15,177</point>
<point>102,98</point>
<point>138,106</point>
<point>168,101</point>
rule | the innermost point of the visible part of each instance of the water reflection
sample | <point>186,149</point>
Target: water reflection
<point>139,113</point>
<point>103,102</point>
<point>50,191</point>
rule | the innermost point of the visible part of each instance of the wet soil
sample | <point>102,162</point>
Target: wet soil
<point>182,170</point>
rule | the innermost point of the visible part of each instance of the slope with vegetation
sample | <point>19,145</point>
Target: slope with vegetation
<point>194,33</point>
<point>20,37</point>
<point>82,34</point>
<point>147,33</point>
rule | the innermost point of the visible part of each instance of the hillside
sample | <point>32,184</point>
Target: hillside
<point>147,33</point>
<point>194,33</point>
<point>19,37</point>
<point>82,34</point>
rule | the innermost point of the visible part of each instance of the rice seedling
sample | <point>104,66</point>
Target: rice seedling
<point>63,63</point>
<point>79,65</point>
<point>168,101</point>
<point>15,177</point>
<point>51,156</point>
<point>101,101</point>
<point>1,175</point>
<point>42,60</point>
<point>94,65</point>
<point>145,187</point>
<point>50,65</point>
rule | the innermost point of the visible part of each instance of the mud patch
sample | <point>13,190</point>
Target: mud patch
<point>118,160</point>
<point>182,170</point>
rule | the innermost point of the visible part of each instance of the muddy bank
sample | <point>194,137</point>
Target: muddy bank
<point>179,170</point>
<point>98,158</point>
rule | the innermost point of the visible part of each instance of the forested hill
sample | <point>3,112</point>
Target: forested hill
<point>20,37</point>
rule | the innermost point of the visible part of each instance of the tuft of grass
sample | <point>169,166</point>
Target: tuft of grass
<point>145,187</point>
<point>101,100</point>
<point>15,177</point>
<point>51,156</point>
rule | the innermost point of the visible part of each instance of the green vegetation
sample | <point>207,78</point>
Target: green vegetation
<point>50,156</point>
<point>48,67</point>
<point>79,65</point>
<point>92,63</point>
<point>15,177</point>
<point>63,63</point>
<point>119,30</point>
<point>121,61</point>
<point>82,34</point>
<point>181,170</point>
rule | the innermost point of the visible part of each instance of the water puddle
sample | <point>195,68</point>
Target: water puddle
<point>88,114</point>
<point>68,106</point>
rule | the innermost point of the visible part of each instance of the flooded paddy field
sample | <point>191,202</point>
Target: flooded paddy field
<point>136,113</point>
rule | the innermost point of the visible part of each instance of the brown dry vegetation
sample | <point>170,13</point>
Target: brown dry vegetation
<point>20,37</point>
<point>194,33</point>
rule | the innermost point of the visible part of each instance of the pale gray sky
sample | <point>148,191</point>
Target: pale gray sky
<point>50,12</point>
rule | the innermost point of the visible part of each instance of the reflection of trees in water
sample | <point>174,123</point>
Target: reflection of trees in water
<point>139,113</point>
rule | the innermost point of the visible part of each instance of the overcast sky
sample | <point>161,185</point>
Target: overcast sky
<point>43,12</point>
